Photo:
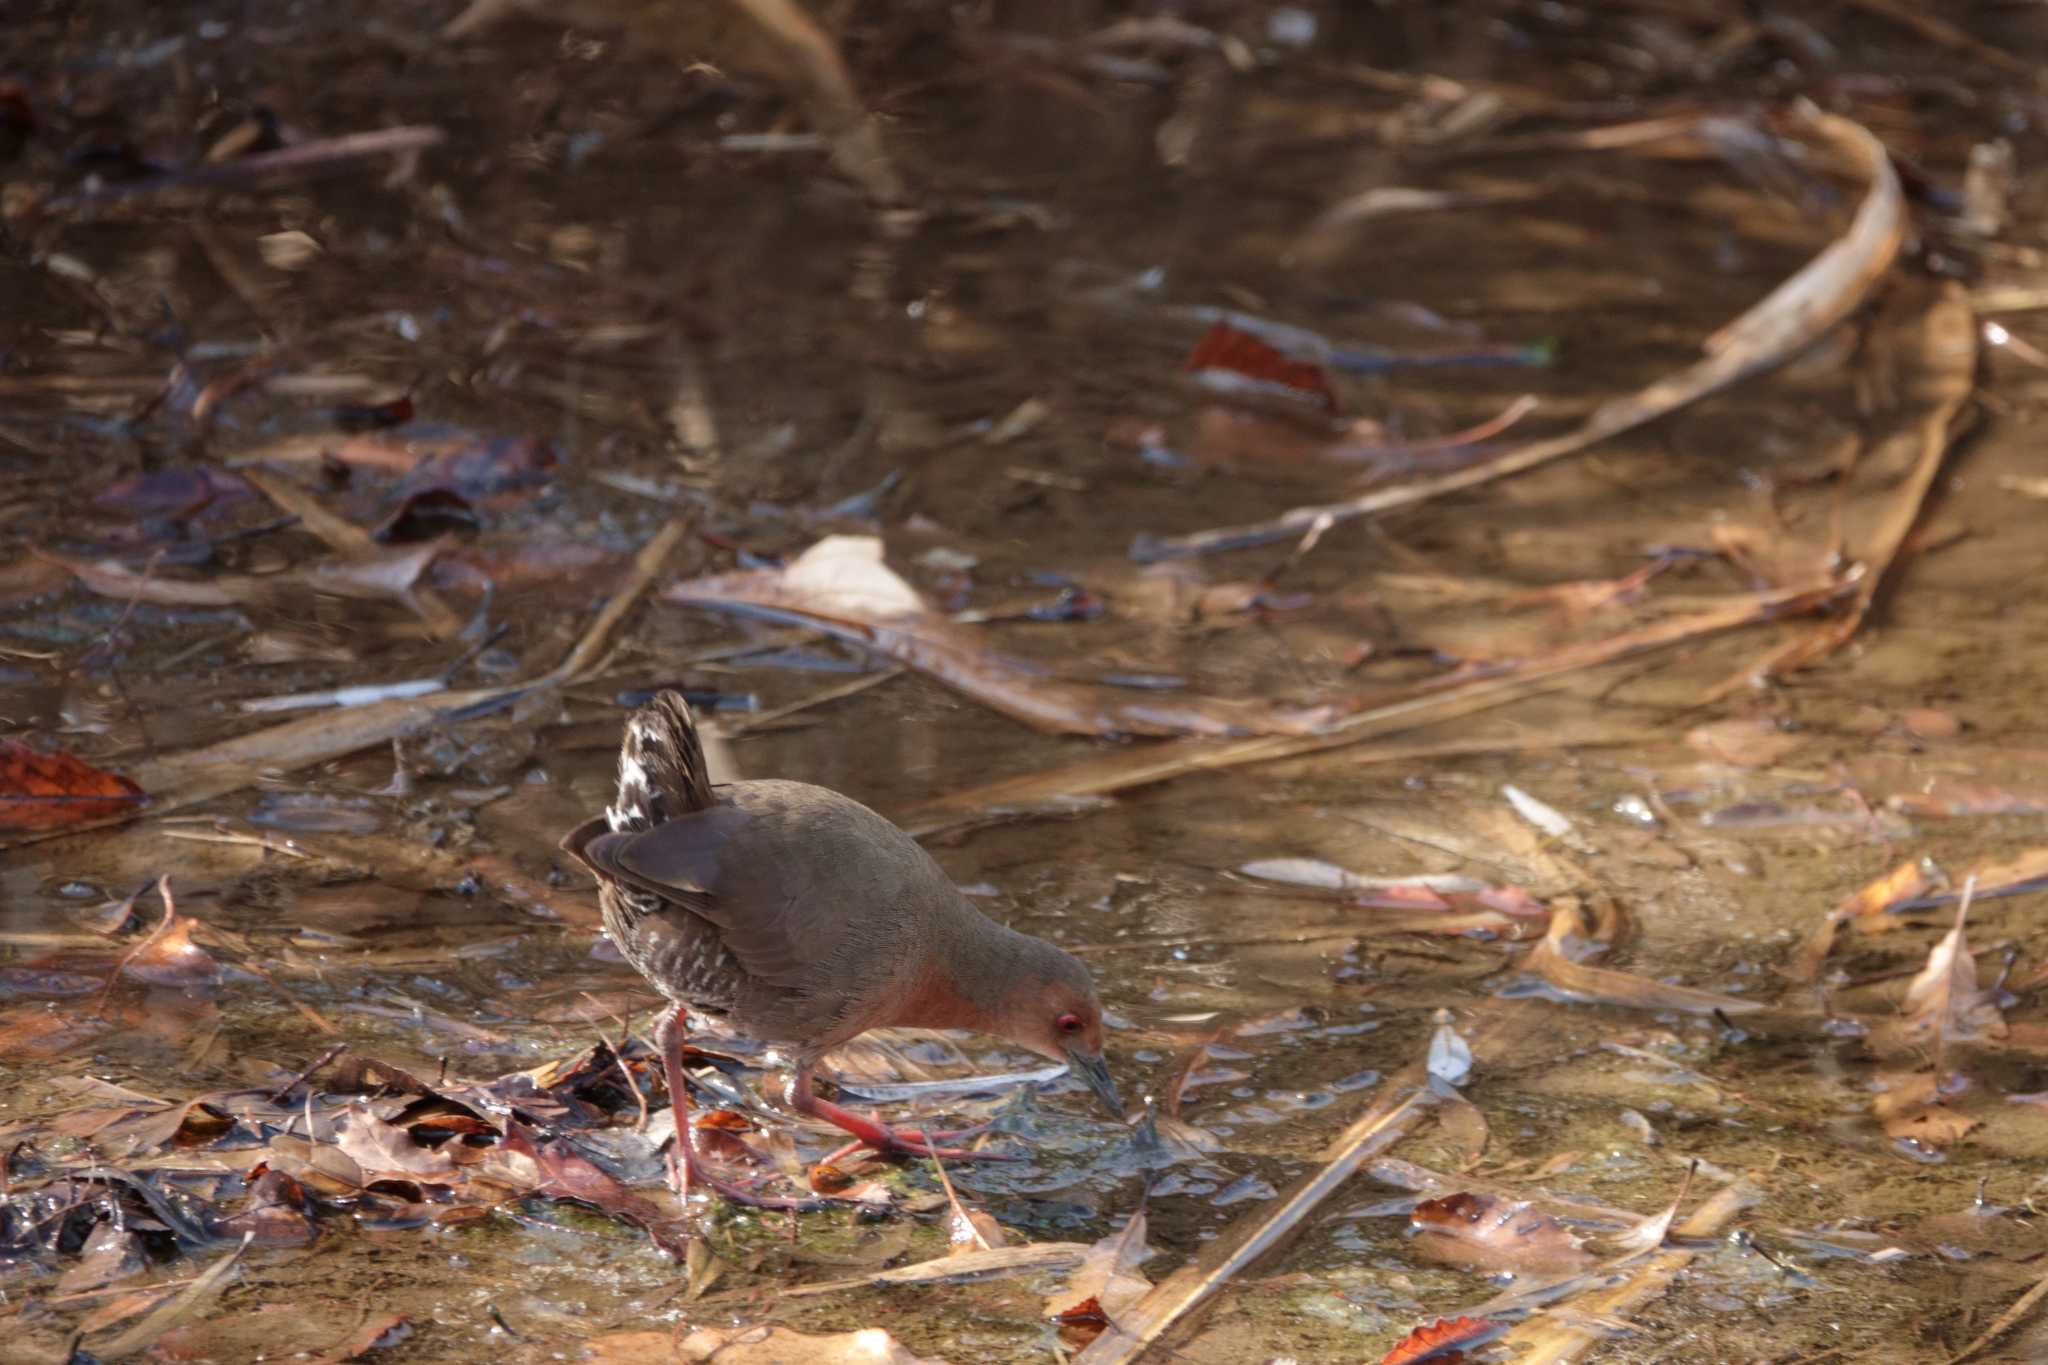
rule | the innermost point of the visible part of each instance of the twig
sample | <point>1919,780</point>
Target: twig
<point>306,156</point>
<point>277,1096</point>
<point>646,564</point>
<point>619,1058</point>
<point>344,537</point>
<point>1950,361</point>
<point>960,1217</point>
<point>163,889</point>
<point>1823,292</point>
<point>196,775</point>
<point>1453,698</point>
<point>861,684</point>
<point>2004,1322</point>
<point>1252,1238</point>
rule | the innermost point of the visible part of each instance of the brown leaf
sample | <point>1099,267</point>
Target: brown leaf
<point>373,1335</point>
<point>50,790</point>
<point>1550,960</point>
<point>1944,1000</point>
<point>1442,1341</point>
<point>565,1175</point>
<point>1869,906</point>
<point>173,959</point>
<point>1483,1232</point>
<point>384,1149</point>
<point>830,1179</point>
<point>1108,1275</point>
<point>1913,1109</point>
<point>1752,742</point>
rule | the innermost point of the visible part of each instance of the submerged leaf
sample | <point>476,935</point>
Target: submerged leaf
<point>1944,1001</point>
<point>1443,1341</point>
<point>1484,1232</point>
<point>758,1345</point>
<point>50,790</point>
<point>1108,1276</point>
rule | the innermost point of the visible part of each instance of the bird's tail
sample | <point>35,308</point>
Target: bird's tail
<point>661,767</point>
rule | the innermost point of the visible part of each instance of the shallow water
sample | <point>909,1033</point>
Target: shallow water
<point>581,253</point>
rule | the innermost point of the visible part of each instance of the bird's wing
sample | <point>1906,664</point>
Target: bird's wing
<point>784,888</point>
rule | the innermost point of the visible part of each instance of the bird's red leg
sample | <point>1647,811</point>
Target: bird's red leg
<point>880,1136</point>
<point>669,1037</point>
<point>691,1168</point>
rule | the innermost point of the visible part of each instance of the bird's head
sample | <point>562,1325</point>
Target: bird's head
<point>1052,1009</point>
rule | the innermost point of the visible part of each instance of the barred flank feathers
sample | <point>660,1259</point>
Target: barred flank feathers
<point>661,767</point>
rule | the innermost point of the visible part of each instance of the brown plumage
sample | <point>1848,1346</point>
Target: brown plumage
<point>803,919</point>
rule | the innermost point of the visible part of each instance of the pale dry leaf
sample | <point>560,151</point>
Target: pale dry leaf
<point>1109,1273</point>
<point>1483,1232</point>
<point>756,1345</point>
<point>1944,1000</point>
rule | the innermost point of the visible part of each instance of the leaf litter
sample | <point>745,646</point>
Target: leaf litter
<point>356,1024</point>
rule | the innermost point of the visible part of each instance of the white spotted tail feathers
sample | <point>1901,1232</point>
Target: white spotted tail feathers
<point>662,774</point>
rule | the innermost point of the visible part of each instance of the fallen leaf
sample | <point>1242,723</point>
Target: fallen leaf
<point>1235,362</point>
<point>1871,903</point>
<point>759,1345</point>
<point>1913,1109</point>
<point>1944,1001</point>
<point>373,1335</point>
<point>1551,961</point>
<point>41,790</point>
<point>383,1149</point>
<point>972,1265</point>
<point>1108,1275</point>
<point>1483,1232</point>
<point>563,1174</point>
<point>1443,1341</point>
<point>173,959</point>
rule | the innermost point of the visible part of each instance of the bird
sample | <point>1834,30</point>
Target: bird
<point>801,918</point>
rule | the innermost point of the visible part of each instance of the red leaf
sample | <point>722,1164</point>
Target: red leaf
<point>829,1179</point>
<point>1234,351</point>
<point>49,791</point>
<point>1442,1341</point>
<point>1086,1313</point>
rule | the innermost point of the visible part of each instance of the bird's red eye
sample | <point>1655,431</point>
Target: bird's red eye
<point>1069,1023</point>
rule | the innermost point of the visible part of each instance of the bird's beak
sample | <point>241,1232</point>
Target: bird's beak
<point>1090,1067</point>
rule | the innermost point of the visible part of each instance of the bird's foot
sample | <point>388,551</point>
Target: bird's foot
<point>692,1173</point>
<point>883,1140</point>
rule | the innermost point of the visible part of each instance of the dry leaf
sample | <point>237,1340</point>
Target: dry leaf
<point>1108,1275</point>
<point>1944,1000</point>
<point>48,790</point>
<point>1913,1109</point>
<point>1443,1340</point>
<point>1482,1232</point>
<point>1752,742</point>
<point>750,1346</point>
